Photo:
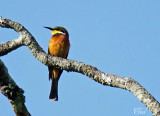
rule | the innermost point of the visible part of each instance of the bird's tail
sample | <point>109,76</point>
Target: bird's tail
<point>54,90</point>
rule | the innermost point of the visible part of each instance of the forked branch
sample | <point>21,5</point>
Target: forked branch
<point>28,40</point>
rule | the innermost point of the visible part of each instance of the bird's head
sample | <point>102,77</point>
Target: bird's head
<point>58,30</point>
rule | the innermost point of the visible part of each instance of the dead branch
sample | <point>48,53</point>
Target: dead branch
<point>11,90</point>
<point>28,40</point>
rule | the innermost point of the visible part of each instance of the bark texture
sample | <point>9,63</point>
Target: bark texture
<point>14,94</point>
<point>28,40</point>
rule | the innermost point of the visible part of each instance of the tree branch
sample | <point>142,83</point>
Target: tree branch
<point>14,94</point>
<point>70,65</point>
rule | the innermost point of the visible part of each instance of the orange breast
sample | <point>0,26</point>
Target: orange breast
<point>59,46</point>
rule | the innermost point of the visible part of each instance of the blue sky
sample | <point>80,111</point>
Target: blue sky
<point>117,36</point>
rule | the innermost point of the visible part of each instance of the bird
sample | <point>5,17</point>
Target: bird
<point>59,46</point>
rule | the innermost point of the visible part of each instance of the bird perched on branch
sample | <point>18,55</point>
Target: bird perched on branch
<point>58,46</point>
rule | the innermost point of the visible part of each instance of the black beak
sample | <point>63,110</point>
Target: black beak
<point>49,28</point>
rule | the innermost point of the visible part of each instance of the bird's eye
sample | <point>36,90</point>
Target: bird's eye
<point>58,29</point>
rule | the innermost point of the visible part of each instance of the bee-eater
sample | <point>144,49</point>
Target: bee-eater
<point>58,46</point>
